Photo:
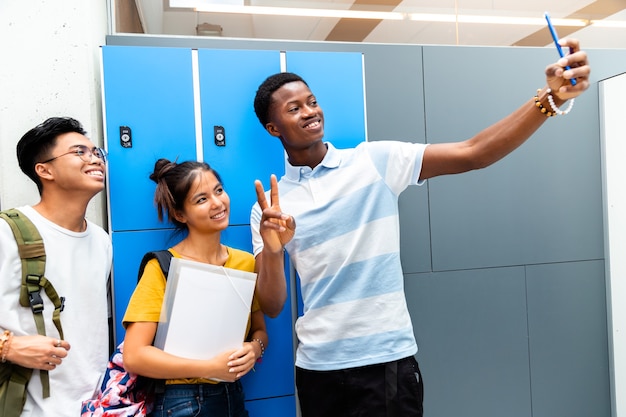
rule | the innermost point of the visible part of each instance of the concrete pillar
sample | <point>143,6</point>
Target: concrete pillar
<point>50,54</point>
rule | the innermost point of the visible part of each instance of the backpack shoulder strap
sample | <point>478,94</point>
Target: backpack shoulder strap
<point>164,257</point>
<point>33,256</point>
<point>13,393</point>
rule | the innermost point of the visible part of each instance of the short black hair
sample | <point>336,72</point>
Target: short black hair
<point>263,98</point>
<point>36,144</point>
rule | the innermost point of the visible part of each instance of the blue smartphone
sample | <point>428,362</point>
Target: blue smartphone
<point>556,42</point>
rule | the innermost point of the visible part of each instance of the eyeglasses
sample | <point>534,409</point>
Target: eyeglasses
<point>84,153</point>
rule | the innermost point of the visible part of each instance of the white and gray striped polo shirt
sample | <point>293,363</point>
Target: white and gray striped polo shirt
<point>346,251</point>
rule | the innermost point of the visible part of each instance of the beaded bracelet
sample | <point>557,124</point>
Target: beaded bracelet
<point>5,342</point>
<point>540,106</point>
<point>260,344</point>
<point>555,108</point>
<point>3,338</point>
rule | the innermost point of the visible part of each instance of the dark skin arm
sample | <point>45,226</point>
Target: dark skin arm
<point>276,229</point>
<point>485,148</point>
<point>498,140</point>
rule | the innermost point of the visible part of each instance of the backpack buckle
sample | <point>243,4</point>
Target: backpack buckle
<point>36,302</point>
<point>34,290</point>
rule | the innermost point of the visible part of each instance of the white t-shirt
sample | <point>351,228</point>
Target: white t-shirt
<point>78,265</point>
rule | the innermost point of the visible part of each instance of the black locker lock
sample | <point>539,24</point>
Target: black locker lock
<point>126,137</point>
<point>220,135</point>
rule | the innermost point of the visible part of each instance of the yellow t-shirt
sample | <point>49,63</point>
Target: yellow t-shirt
<point>147,299</point>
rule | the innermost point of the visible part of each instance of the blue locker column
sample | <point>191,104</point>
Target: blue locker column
<point>270,389</point>
<point>336,79</point>
<point>128,249</point>
<point>150,91</point>
<point>245,152</point>
<point>228,82</point>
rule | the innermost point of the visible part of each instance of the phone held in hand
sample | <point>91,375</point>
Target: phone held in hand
<point>556,42</point>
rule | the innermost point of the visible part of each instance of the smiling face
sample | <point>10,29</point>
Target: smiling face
<point>207,205</point>
<point>297,119</point>
<point>67,169</point>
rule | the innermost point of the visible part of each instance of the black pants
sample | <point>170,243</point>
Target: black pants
<point>391,389</point>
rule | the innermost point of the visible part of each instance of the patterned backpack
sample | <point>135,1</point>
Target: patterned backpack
<point>123,393</point>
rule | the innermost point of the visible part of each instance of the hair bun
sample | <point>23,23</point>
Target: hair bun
<point>161,168</point>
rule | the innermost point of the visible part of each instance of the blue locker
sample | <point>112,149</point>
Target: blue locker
<point>128,249</point>
<point>248,152</point>
<point>151,91</point>
<point>336,79</point>
<point>331,75</point>
<point>272,407</point>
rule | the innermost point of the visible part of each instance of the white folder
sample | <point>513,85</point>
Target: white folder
<point>205,309</point>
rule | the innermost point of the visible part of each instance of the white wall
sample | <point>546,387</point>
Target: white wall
<point>50,53</point>
<point>613,130</point>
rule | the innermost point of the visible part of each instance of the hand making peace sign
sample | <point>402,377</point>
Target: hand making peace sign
<point>276,227</point>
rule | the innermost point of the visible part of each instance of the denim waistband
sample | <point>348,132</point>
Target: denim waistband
<point>202,390</point>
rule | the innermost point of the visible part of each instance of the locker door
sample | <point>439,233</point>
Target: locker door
<point>337,81</point>
<point>277,363</point>
<point>149,90</point>
<point>228,81</point>
<point>272,407</point>
<point>128,249</point>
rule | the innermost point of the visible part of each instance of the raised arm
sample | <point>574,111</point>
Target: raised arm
<point>498,140</point>
<point>276,230</point>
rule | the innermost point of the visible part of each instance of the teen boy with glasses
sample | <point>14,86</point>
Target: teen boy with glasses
<point>69,171</point>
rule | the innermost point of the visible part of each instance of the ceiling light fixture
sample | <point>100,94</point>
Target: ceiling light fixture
<point>500,20</point>
<point>301,12</point>
<point>364,14</point>
<point>609,23</point>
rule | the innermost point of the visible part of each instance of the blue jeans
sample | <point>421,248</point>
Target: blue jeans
<point>201,400</point>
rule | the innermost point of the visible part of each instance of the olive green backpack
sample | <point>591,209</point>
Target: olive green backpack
<point>15,378</point>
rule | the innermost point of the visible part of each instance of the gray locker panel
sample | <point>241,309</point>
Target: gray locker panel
<point>472,335</point>
<point>395,111</point>
<point>395,91</point>
<point>415,230</point>
<point>568,340</point>
<point>540,204</point>
<point>605,63</point>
